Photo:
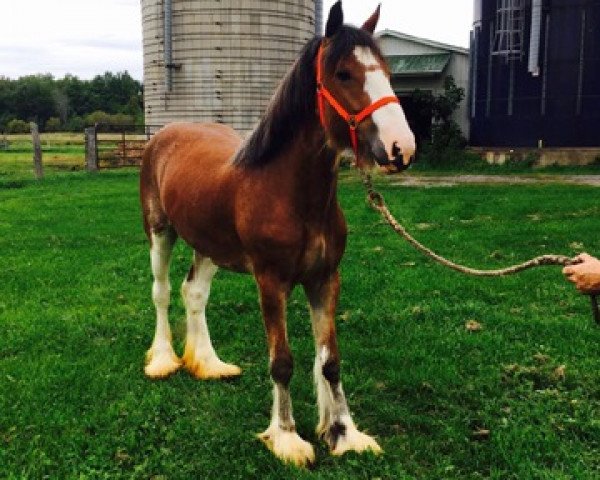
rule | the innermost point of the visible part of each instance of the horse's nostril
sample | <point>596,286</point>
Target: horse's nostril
<point>396,150</point>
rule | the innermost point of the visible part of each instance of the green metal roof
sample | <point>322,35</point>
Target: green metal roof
<point>417,65</point>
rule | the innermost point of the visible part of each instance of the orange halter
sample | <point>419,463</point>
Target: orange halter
<point>352,120</point>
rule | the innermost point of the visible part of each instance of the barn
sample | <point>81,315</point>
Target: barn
<point>419,63</point>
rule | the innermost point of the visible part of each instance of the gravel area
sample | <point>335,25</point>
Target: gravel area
<point>450,180</point>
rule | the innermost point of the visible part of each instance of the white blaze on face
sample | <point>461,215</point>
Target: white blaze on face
<point>389,119</point>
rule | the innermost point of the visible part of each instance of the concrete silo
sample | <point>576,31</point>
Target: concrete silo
<point>535,73</point>
<point>219,60</point>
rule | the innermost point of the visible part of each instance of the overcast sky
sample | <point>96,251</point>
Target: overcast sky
<point>88,37</point>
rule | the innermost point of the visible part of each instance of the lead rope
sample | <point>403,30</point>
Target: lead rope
<point>378,203</point>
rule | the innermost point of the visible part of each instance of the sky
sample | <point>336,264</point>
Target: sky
<point>89,37</point>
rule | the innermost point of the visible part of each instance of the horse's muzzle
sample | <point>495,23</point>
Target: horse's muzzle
<point>398,164</point>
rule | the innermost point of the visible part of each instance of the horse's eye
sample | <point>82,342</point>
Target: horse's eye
<point>343,75</point>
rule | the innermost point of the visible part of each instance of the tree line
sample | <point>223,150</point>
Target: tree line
<point>69,103</point>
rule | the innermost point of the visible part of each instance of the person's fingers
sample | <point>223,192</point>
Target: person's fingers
<point>569,270</point>
<point>584,256</point>
<point>574,278</point>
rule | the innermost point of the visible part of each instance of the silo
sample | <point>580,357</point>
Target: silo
<point>219,60</point>
<point>536,73</point>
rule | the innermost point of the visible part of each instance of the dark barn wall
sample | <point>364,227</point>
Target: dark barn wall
<point>561,106</point>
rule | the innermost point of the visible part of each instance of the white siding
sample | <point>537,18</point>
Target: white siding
<point>397,46</point>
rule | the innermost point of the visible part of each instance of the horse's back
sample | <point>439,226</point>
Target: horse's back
<point>185,145</point>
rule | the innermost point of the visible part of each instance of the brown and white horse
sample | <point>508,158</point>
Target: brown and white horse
<point>268,206</point>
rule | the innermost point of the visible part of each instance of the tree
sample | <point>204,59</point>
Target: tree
<point>445,105</point>
<point>446,136</point>
<point>446,133</point>
<point>61,104</point>
<point>41,97</point>
<point>7,110</point>
<point>33,98</point>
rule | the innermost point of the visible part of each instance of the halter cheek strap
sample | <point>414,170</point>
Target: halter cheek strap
<point>353,120</point>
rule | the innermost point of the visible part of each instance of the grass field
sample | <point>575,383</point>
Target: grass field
<point>61,153</point>
<point>518,399</point>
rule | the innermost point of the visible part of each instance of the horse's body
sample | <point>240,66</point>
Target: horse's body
<point>274,217</point>
<point>267,206</point>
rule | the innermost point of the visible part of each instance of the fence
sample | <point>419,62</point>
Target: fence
<point>115,146</point>
<point>3,141</point>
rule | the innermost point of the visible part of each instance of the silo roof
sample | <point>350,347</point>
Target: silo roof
<point>417,65</point>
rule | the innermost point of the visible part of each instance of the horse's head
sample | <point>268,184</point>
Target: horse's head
<point>357,105</point>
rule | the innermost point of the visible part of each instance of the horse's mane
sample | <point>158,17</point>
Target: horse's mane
<point>294,100</point>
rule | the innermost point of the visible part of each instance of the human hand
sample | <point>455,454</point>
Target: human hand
<point>585,275</point>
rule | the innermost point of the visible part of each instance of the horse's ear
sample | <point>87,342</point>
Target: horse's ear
<point>335,20</point>
<point>371,23</point>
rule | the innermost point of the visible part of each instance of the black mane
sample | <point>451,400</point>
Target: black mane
<point>294,100</point>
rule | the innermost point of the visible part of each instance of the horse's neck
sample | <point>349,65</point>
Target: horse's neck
<point>314,172</point>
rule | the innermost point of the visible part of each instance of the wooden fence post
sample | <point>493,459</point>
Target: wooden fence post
<point>91,150</point>
<point>37,151</point>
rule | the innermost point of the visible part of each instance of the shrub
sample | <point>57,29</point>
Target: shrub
<point>121,119</point>
<point>96,117</point>
<point>17,126</point>
<point>75,124</point>
<point>449,158</point>
<point>5,117</point>
<point>53,125</point>
<point>116,120</point>
<point>526,162</point>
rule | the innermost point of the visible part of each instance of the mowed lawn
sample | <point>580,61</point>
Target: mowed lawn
<point>518,399</point>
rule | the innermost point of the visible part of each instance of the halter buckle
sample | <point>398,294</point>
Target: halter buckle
<point>352,122</point>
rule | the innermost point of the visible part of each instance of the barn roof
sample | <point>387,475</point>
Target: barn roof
<point>422,41</point>
<point>417,65</point>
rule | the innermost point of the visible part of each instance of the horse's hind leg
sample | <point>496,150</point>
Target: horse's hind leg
<point>161,360</point>
<point>200,357</point>
<point>335,426</point>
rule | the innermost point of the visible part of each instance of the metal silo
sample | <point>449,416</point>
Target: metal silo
<point>219,60</point>
<point>536,73</point>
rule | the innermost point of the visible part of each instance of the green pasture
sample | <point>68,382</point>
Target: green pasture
<point>518,399</point>
<point>61,153</point>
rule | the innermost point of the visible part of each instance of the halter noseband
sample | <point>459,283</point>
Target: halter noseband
<point>352,120</point>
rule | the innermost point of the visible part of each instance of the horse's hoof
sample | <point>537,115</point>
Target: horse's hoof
<point>161,363</point>
<point>288,446</point>
<point>352,440</point>
<point>212,369</point>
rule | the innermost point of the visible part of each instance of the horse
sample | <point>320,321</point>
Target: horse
<point>267,205</point>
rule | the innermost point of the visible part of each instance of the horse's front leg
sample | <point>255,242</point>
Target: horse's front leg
<point>280,437</point>
<point>335,426</point>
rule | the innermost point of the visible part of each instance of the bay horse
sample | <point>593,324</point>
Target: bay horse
<point>268,206</point>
